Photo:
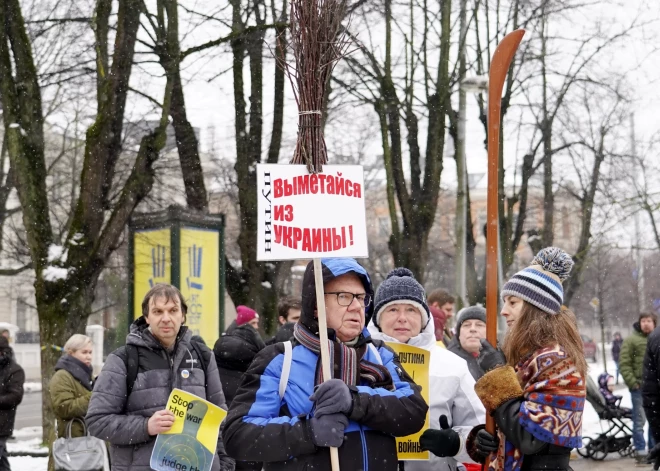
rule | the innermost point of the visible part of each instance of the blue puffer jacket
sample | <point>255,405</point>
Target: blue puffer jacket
<point>262,427</point>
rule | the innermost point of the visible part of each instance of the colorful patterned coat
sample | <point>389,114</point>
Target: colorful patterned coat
<point>538,426</point>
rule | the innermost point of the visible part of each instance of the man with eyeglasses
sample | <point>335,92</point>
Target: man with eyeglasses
<point>286,415</point>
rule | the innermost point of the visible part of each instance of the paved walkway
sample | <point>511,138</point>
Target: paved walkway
<point>614,464</point>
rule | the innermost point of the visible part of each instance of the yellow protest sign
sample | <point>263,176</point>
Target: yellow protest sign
<point>416,362</point>
<point>200,281</point>
<point>191,443</point>
<point>152,262</point>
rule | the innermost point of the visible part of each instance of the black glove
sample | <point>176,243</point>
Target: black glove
<point>654,457</point>
<point>490,357</point>
<point>443,442</point>
<point>328,430</point>
<point>332,397</point>
<point>486,443</point>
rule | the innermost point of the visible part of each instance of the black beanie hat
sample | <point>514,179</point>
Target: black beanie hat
<point>399,287</point>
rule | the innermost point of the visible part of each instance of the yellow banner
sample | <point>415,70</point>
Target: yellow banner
<point>416,362</point>
<point>152,262</point>
<point>200,281</point>
<point>191,443</point>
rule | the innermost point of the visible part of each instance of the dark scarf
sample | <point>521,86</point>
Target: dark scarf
<point>76,368</point>
<point>344,361</point>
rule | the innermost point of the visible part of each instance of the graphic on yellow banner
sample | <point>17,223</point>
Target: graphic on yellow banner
<point>152,262</point>
<point>191,443</point>
<point>416,362</point>
<point>200,283</point>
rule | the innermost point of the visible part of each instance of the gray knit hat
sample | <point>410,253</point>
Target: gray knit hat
<point>467,313</point>
<point>400,286</point>
<point>540,283</point>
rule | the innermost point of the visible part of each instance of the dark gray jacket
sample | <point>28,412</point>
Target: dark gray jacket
<point>123,421</point>
<point>472,361</point>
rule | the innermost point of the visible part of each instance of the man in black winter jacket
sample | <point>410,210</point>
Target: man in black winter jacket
<point>651,391</point>
<point>234,352</point>
<point>12,378</point>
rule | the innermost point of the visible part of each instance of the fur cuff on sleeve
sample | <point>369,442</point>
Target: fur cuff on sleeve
<point>498,386</point>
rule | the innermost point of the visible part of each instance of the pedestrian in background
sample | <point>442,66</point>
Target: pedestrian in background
<point>288,310</point>
<point>235,350</point>
<point>631,365</point>
<point>616,351</point>
<point>441,303</point>
<point>470,329</point>
<point>12,378</point>
<point>70,387</point>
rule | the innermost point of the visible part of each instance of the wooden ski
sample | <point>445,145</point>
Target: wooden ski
<point>499,67</point>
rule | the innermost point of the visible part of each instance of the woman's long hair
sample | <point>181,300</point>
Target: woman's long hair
<point>535,329</point>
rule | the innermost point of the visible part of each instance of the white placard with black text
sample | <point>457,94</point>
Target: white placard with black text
<point>303,215</point>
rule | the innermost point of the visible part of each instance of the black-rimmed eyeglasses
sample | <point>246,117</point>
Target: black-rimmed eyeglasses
<point>346,299</point>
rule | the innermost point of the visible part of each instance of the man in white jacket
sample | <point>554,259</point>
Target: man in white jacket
<point>402,315</point>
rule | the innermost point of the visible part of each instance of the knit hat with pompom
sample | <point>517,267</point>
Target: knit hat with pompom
<point>401,287</point>
<point>540,283</point>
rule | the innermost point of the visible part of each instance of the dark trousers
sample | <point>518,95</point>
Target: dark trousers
<point>4,457</point>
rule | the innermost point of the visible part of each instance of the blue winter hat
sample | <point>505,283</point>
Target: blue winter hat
<point>400,286</point>
<point>540,283</point>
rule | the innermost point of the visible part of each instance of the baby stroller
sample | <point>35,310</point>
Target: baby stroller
<point>618,436</point>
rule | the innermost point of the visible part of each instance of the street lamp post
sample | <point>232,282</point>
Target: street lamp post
<point>478,84</point>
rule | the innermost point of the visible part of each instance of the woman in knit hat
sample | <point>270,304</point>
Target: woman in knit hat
<point>402,316</point>
<point>535,388</point>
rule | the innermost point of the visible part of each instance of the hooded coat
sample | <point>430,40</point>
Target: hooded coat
<point>122,421</point>
<point>12,378</point>
<point>262,426</point>
<point>234,352</point>
<point>70,391</point>
<point>631,359</point>
<point>452,394</point>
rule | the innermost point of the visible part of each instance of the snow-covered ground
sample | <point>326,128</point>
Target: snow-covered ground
<point>32,387</point>
<point>20,463</point>
<point>28,440</point>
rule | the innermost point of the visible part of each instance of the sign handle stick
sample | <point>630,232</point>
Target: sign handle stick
<point>323,335</point>
<point>499,67</point>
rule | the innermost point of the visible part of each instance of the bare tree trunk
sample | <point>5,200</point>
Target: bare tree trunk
<point>188,149</point>
<point>587,207</point>
<point>255,283</point>
<point>64,300</point>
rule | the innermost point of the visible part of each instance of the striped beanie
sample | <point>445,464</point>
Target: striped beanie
<point>540,283</point>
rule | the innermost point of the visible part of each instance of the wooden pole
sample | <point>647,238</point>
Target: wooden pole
<point>499,67</point>
<point>323,336</point>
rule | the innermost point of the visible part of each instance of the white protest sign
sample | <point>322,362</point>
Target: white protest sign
<point>303,215</point>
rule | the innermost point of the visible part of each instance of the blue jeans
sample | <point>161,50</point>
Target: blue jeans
<point>617,372</point>
<point>639,419</point>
